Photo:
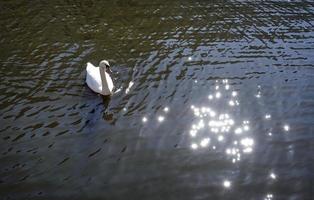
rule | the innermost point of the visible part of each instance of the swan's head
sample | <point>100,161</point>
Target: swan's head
<point>105,65</point>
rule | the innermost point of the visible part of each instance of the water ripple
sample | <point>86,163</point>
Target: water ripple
<point>166,56</point>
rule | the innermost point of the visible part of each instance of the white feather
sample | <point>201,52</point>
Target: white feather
<point>93,80</point>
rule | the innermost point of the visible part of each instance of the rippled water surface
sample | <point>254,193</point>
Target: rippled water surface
<point>214,100</point>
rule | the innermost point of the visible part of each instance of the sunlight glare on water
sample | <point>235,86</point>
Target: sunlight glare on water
<point>221,127</point>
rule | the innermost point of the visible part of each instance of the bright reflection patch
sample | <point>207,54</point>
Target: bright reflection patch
<point>205,142</point>
<point>217,126</point>
<point>166,109</point>
<point>144,119</point>
<point>129,87</point>
<point>231,103</point>
<point>269,197</point>
<point>258,95</point>
<point>227,184</point>
<point>218,95</point>
<point>215,129</point>
<point>272,176</point>
<point>286,127</point>
<point>194,146</point>
<point>161,118</point>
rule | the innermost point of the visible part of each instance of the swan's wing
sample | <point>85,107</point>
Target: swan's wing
<point>93,79</point>
<point>89,66</point>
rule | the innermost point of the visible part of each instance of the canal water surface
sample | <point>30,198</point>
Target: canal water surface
<point>213,100</point>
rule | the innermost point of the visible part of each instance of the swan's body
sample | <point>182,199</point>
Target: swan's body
<point>98,79</point>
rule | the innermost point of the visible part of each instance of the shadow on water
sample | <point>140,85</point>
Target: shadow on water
<point>98,108</point>
<point>107,116</point>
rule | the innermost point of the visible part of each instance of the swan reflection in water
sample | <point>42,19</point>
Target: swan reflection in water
<point>212,128</point>
<point>107,116</point>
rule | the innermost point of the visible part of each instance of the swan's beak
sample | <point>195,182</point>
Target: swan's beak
<point>109,69</point>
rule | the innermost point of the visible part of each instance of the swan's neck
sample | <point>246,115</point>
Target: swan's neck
<point>103,79</point>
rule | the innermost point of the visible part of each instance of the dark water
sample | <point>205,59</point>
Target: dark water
<point>214,100</point>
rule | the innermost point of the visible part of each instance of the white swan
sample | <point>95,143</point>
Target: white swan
<point>98,79</point>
